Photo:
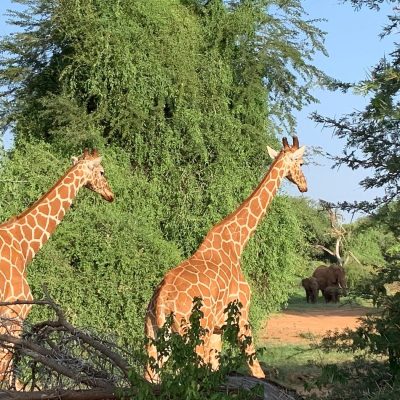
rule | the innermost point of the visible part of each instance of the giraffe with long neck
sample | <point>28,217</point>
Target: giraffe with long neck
<point>213,272</point>
<point>22,236</point>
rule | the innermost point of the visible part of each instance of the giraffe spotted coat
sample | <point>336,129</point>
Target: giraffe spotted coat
<point>22,236</point>
<point>214,273</point>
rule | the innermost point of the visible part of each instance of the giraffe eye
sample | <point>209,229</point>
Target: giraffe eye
<point>102,173</point>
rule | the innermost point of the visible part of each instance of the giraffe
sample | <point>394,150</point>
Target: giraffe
<point>213,272</point>
<point>22,236</point>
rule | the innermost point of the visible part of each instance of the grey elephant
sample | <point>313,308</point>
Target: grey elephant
<point>332,294</point>
<point>310,285</point>
<point>334,275</point>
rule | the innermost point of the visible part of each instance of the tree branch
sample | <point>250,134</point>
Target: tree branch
<point>46,357</point>
<point>355,258</point>
<point>320,246</point>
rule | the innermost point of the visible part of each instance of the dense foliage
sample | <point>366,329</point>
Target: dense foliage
<point>184,374</point>
<point>368,241</point>
<point>182,98</point>
<point>375,372</point>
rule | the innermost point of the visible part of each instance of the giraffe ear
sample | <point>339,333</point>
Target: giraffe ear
<point>74,160</point>
<point>299,153</point>
<point>272,153</point>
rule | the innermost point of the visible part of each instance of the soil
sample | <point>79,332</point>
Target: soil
<point>300,326</point>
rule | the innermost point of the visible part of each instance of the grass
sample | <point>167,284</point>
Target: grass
<point>293,365</point>
<point>297,302</point>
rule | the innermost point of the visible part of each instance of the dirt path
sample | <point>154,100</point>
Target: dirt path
<point>299,326</point>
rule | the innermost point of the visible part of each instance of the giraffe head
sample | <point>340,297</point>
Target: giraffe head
<point>94,173</point>
<point>293,160</point>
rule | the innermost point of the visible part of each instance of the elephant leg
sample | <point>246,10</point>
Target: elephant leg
<point>313,298</point>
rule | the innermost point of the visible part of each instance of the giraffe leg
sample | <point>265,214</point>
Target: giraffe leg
<point>10,325</point>
<point>215,347</point>
<point>203,350</point>
<point>150,373</point>
<point>155,363</point>
<point>210,350</point>
<point>249,349</point>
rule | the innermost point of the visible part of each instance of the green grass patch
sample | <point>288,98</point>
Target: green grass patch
<point>294,365</point>
<point>297,302</point>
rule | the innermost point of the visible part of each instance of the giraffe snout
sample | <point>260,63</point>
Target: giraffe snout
<point>303,189</point>
<point>108,196</point>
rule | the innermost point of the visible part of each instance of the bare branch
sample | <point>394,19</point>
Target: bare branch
<point>115,358</point>
<point>320,246</point>
<point>46,357</point>
<point>12,303</point>
<point>355,258</point>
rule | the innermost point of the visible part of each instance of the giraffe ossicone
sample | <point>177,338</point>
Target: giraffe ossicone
<point>213,272</point>
<point>22,236</point>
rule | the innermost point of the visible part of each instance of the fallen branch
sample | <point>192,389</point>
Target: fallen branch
<point>49,359</point>
<point>91,341</point>
<point>55,349</point>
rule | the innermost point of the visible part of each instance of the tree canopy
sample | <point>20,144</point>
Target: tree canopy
<point>372,135</point>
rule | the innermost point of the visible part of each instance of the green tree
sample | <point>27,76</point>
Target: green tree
<point>182,98</point>
<point>371,135</point>
<point>375,372</point>
<point>315,225</point>
<point>372,142</point>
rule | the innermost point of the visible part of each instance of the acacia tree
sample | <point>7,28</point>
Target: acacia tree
<point>373,141</point>
<point>372,135</point>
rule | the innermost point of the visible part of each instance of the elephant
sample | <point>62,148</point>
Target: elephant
<point>311,287</point>
<point>332,294</point>
<point>334,275</point>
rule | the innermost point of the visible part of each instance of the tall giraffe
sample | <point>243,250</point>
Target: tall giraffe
<point>22,236</point>
<point>213,272</point>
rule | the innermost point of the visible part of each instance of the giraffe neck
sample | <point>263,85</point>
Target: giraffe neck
<point>35,225</point>
<point>236,229</point>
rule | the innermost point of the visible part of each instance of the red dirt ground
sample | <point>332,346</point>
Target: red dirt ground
<point>300,326</point>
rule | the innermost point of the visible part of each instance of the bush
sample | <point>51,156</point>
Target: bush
<point>375,374</point>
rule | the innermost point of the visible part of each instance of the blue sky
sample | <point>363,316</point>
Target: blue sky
<point>354,48</point>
